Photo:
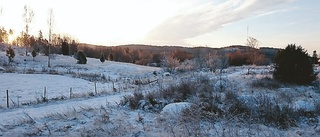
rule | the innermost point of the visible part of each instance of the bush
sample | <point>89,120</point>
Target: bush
<point>238,58</point>
<point>34,54</point>
<point>65,48</point>
<point>81,57</point>
<point>10,54</point>
<point>132,100</point>
<point>293,65</point>
<point>180,92</point>
<point>266,82</point>
<point>102,58</point>
<point>110,58</point>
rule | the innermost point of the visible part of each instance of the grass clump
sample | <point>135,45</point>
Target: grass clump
<point>266,82</point>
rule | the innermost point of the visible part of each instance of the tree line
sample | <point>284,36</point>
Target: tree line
<point>203,56</point>
<point>169,56</point>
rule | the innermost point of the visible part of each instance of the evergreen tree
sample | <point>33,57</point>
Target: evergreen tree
<point>293,65</point>
<point>10,54</point>
<point>81,57</point>
<point>65,48</point>
<point>102,58</point>
<point>34,54</point>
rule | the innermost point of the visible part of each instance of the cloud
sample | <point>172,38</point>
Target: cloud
<point>208,17</point>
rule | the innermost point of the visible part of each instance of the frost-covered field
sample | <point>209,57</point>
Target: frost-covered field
<point>97,106</point>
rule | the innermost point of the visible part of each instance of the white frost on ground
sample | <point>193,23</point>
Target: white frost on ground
<point>71,117</point>
<point>31,86</point>
<point>304,105</point>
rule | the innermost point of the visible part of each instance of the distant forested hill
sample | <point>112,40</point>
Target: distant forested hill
<point>152,54</point>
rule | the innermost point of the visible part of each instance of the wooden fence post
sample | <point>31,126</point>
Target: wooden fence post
<point>45,94</point>
<point>70,93</point>
<point>7,99</point>
<point>18,100</point>
<point>95,87</point>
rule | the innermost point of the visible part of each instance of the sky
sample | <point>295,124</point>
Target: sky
<point>190,23</point>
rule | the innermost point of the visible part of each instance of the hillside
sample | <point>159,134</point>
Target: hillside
<point>124,99</point>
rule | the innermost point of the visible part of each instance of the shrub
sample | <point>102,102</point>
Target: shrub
<point>238,58</point>
<point>185,89</point>
<point>34,54</point>
<point>132,100</point>
<point>151,97</point>
<point>238,107</point>
<point>293,65</point>
<point>102,58</point>
<point>110,58</point>
<point>10,54</point>
<point>266,82</point>
<point>81,57</point>
<point>180,92</point>
<point>65,48</point>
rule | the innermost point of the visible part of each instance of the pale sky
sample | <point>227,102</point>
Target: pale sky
<point>212,23</point>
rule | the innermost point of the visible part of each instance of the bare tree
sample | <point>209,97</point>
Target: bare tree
<point>318,59</point>
<point>210,61</point>
<point>171,62</point>
<point>27,18</point>
<point>253,45</point>
<point>50,25</point>
<point>222,62</point>
<point>0,10</point>
<point>315,57</point>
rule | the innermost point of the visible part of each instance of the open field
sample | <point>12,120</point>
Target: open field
<point>121,99</point>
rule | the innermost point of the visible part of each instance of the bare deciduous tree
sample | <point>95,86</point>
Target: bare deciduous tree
<point>315,57</point>
<point>171,62</point>
<point>210,61</point>
<point>50,26</point>
<point>253,45</point>
<point>0,10</point>
<point>27,18</point>
<point>222,62</point>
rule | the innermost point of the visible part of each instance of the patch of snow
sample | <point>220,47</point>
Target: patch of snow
<point>29,87</point>
<point>248,100</point>
<point>285,89</point>
<point>304,105</point>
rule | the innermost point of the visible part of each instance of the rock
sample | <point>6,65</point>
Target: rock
<point>166,74</point>
<point>2,69</point>
<point>174,109</point>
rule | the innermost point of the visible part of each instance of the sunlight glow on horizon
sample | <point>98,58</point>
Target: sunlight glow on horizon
<point>213,23</point>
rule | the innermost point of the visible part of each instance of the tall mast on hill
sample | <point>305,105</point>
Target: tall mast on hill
<point>247,31</point>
